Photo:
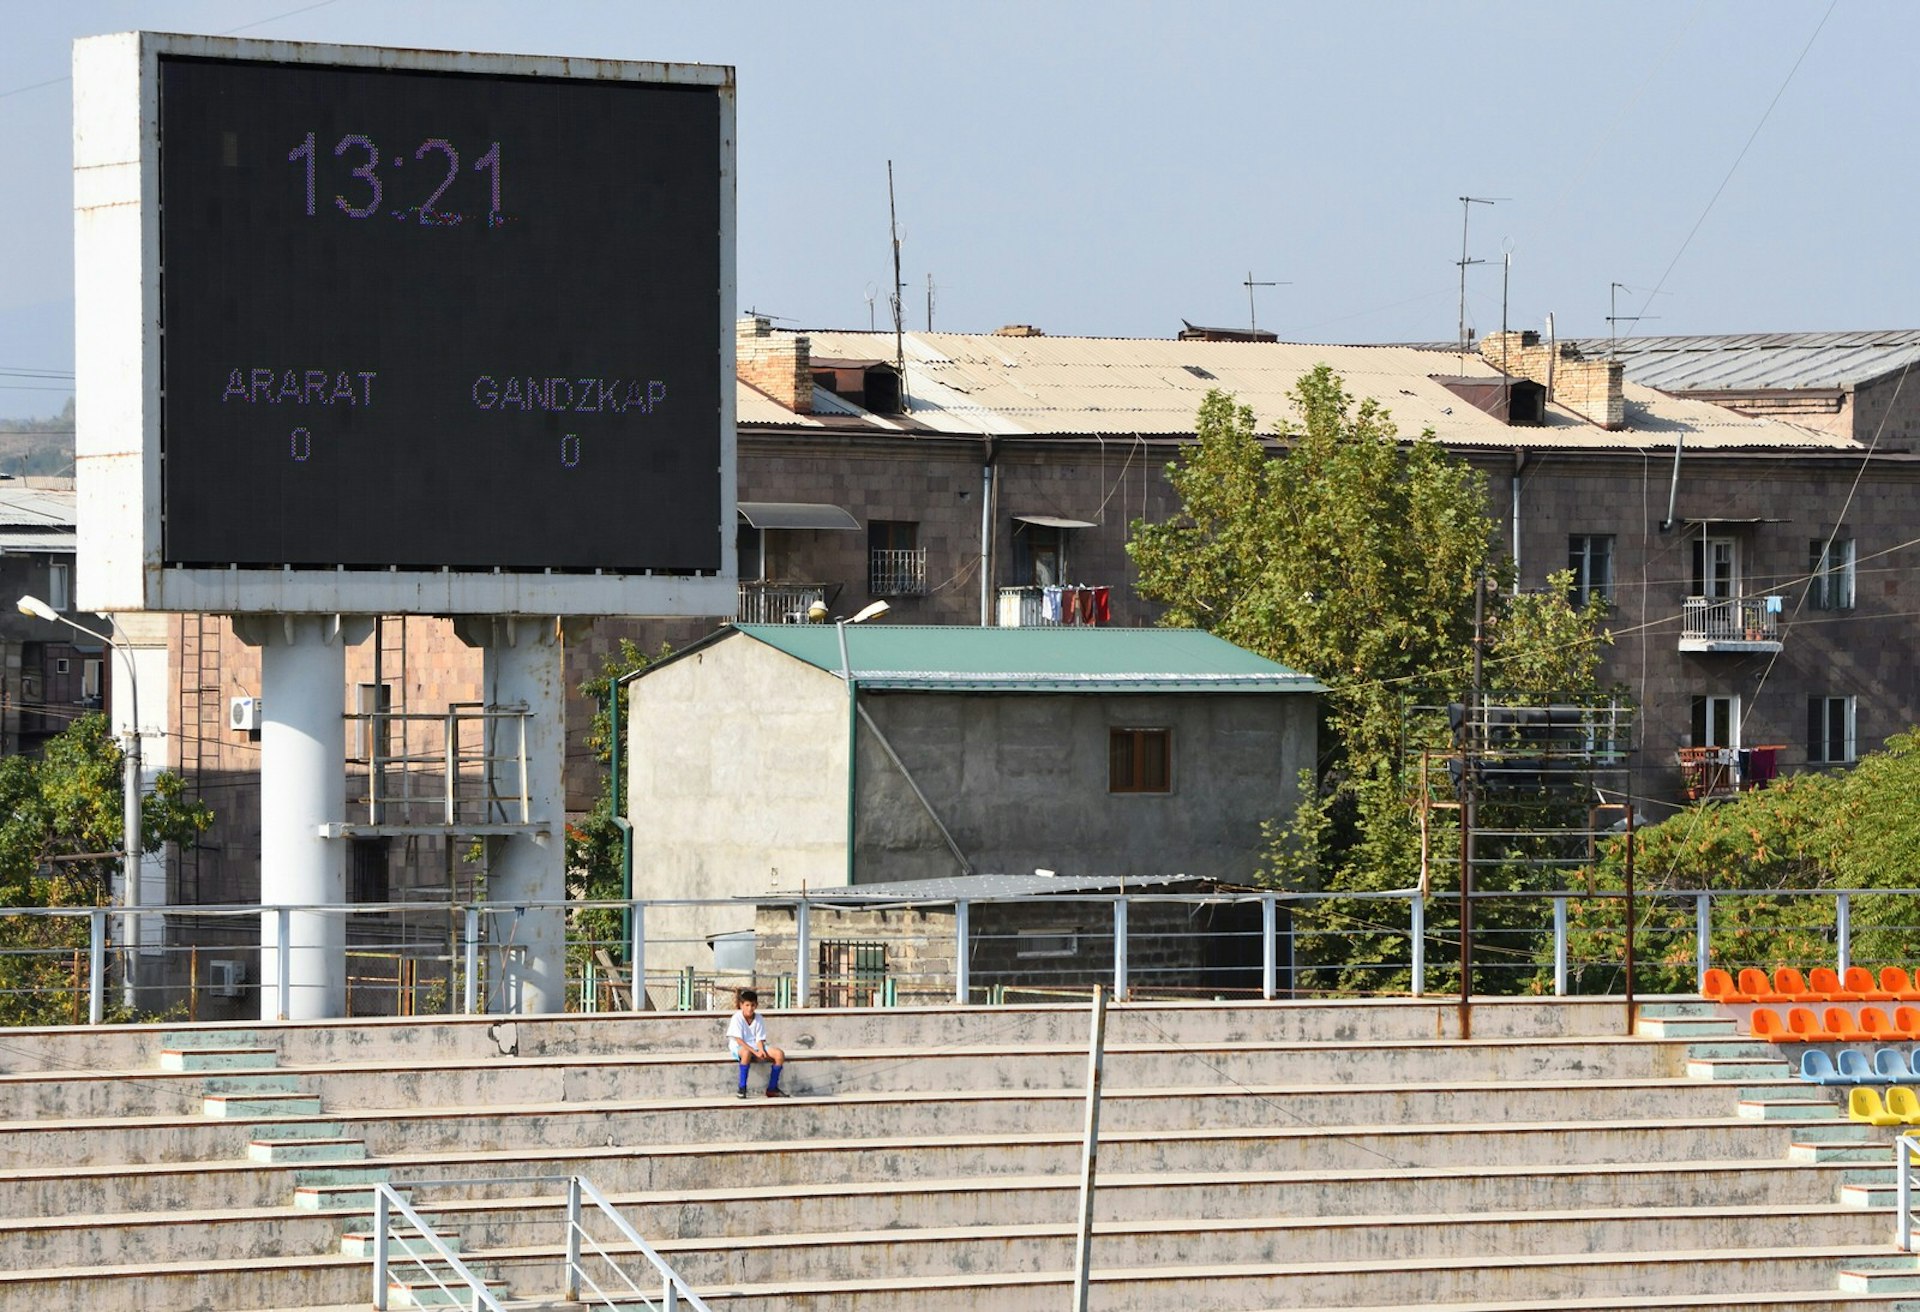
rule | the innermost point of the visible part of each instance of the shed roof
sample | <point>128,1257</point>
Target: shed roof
<point>36,519</point>
<point>984,383</point>
<point>951,658</point>
<point>1732,362</point>
<point>984,887</point>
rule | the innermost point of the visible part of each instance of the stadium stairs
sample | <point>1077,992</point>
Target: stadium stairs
<point>1353,1155</point>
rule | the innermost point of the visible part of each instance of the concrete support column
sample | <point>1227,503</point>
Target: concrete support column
<point>303,749</point>
<point>523,668</point>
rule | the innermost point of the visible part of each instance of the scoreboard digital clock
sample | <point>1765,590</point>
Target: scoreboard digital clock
<point>440,317</point>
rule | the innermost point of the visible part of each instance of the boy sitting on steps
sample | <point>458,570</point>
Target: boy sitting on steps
<point>747,1041</point>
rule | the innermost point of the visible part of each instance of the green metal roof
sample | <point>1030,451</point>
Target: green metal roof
<point>1062,658</point>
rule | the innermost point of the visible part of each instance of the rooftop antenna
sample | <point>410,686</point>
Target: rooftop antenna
<point>929,302</point>
<point>1253,320</point>
<point>1466,211</point>
<point>899,288</point>
<point>872,292</point>
<point>1615,318</point>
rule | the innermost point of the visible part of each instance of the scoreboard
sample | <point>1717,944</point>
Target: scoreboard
<point>432,317</point>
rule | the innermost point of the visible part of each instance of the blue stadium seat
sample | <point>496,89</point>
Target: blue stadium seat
<point>1889,1066</point>
<point>1854,1068</point>
<point>1816,1066</point>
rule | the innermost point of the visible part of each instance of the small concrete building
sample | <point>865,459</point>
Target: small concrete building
<point>773,758</point>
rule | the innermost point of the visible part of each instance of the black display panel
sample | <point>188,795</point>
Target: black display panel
<point>435,320</point>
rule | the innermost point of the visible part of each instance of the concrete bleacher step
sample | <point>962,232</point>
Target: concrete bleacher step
<point>218,1059</point>
<point>1895,1274</point>
<point>1684,1027</point>
<point>232,1105</point>
<point>429,1293</point>
<point>332,1149</point>
<point>348,1196</point>
<point>1738,1068</point>
<point>1799,1300</point>
<point>401,1242</point>
<point>1816,1108</point>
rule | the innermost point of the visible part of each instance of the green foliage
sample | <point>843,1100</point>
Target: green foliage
<point>60,837</point>
<point>593,841</point>
<point>1354,556</point>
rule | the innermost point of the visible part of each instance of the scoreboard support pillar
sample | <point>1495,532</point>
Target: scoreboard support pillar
<point>523,668</point>
<point>302,791</point>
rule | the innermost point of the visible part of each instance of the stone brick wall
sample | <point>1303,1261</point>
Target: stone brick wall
<point>776,363</point>
<point>1587,387</point>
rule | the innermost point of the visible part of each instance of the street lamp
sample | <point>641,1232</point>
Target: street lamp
<point>861,616</point>
<point>130,813</point>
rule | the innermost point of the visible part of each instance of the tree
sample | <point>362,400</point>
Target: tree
<point>60,840</point>
<point>1354,556</point>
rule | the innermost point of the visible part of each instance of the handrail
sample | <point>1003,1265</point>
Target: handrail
<point>673,1287</point>
<point>384,1198</point>
<point>674,1290</point>
<point>1906,1150</point>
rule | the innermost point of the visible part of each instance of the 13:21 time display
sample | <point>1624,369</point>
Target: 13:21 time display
<point>438,156</point>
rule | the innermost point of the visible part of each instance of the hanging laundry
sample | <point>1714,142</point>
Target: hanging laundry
<point>1102,610</point>
<point>1050,599</point>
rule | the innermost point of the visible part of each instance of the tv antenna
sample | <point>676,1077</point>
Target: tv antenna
<point>872,292</point>
<point>899,288</point>
<point>1466,212</point>
<point>1253,320</point>
<point>1615,318</point>
<point>929,302</point>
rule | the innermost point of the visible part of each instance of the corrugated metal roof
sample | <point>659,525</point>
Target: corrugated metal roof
<point>796,514</point>
<point>1760,361</point>
<point>35,507</point>
<point>974,887</point>
<point>1045,659</point>
<point>54,542</point>
<point>976,383</point>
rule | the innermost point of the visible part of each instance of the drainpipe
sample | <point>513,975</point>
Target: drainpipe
<point>986,534</point>
<point>1519,465</point>
<point>1673,486</point>
<point>620,821</point>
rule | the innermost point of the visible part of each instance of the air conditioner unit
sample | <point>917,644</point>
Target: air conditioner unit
<point>244,713</point>
<point>224,978</point>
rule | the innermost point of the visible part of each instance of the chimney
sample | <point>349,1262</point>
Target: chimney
<point>779,364</point>
<point>1017,330</point>
<point>1592,389</point>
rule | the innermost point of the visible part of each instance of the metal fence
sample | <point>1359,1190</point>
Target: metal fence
<point>63,965</point>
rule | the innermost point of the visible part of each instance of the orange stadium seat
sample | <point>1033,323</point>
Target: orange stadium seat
<point>1839,1022</point>
<point>1791,985</point>
<point>1804,1027</point>
<point>1757,987</point>
<point>1826,982</point>
<point>1876,1024</point>
<point>1894,980</point>
<point>1717,986</point>
<point>1860,980</point>
<point>1768,1025</point>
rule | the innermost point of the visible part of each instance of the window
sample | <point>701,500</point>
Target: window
<point>1830,730</point>
<point>60,664</point>
<point>1590,557</point>
<point>1716,568</point>
<point>59,584</point>
<point>1039,555</point>
<point>896,562</point>
<point>1046,943</point>
<point>90,680</point>
<point>1139,761</point>
<point>1716,722</point>
<point>367,871</point>
<point>371,704</point>
<point>1830,565</point>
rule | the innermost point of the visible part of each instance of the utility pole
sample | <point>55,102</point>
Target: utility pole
<point>1475,752</point>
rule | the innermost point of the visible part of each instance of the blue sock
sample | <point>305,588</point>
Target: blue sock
<point>773,1079</point>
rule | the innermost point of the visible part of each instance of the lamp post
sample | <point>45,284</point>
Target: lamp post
<point>130,769</point>
<point>872,611</point>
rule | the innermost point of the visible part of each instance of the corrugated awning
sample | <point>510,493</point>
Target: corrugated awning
<point>796,514</point>
<point>1053,521</point>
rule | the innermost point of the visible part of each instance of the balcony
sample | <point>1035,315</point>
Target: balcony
<point>1724,772</point>
<point>1028,607</point>
<point>778,603</point>
<point>898,572</point>
<point>1730,624</point>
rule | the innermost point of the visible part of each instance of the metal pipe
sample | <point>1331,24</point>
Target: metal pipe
<point>1120,950</point>
<point>1419,946</point>
<point>96,965</point>
<point>572,1294</point>
<point>1843,930</point>
<point>1090,1153</point>
<point>802,947</point>
<point>469,966</point>
<point>1269,949</point>
<point>986,535</point>
<point>1559,947</point>
<point>962,951</point>
<point>1702,937</point>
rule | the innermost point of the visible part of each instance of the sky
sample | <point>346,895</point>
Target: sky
<point>1113,167</point>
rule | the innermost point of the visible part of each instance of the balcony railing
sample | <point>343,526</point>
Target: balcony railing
<point>900,572</point>
<point>1730,624</point>
<point>1721,772</point>
<point>1025,607</point>
<point>778,603</point>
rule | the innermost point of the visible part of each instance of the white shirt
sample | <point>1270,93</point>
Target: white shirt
<point>753,1036</point>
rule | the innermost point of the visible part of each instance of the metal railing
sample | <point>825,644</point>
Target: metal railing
<point>778,603</point>
<point>897,572</point>
<point>1906,1155</point>
<point>469,1289</point>
<point>61,966</point>
<point>1730,619</point>
<point>464,766</point>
